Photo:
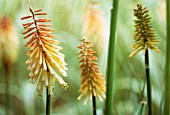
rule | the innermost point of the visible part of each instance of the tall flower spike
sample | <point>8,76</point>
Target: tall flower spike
<point>144,34</point>
<point>9,41</point>
<point>92,82</point>
<point>94,26</point>
<point>44,55</point>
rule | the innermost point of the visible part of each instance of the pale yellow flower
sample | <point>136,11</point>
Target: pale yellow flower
<point>92,81</point>
<point>46,62</point>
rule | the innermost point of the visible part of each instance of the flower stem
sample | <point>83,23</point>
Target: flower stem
<point>167,63</point>
<point>94,104</point>
<point>149,91</point>
<point>7,93</point>
<point>7,69</point>
<point>110,60</point>
<point>48,102</point>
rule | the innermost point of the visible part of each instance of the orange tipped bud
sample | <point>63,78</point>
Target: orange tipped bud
<point>43,20</point>
<point>38,10</point>
<point>42,13</point>
<point>44,25</point>
<point>26,17</point>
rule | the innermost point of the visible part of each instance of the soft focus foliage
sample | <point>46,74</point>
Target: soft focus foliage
<point>67,19</point>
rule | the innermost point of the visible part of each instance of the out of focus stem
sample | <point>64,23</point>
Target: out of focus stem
<point>7,66</point>
<point>110,59</point>
<point>7,98</point>
<point>167,62</point>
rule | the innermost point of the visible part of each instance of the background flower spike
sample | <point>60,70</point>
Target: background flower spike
<point>94,27</point>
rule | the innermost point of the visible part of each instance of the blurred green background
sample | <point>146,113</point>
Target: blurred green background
<point>66,18</point>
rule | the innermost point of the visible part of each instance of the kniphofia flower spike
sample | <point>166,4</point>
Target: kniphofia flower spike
<point>9,42</point>
<point>94,27</point>
<point>144,34</point>
<point>92,81</point>
<point>46,62</point>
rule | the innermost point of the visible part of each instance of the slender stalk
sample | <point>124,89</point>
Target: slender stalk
<point>149,91</point>
<point>48,103</point>
<point>94,105</point>
<point>7,98</point>
<point>7,69</point>
<point>110,60</point>
<point>167,76</point>
<point>143,101</point>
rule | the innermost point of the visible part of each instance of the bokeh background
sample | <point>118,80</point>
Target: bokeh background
<point>129,74</point>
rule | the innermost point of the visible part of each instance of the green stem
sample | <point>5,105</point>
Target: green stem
<point>110,60</point>
<point>167,76</point>
<point>142,101</point>
<point>149,90</point>
<point>48,102</point>
<point>94,105</point>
